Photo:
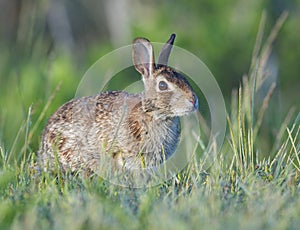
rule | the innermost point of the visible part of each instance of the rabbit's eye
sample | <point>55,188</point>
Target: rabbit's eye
<point>162,85</point>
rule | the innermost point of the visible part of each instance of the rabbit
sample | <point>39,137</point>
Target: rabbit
<point>131,131</point>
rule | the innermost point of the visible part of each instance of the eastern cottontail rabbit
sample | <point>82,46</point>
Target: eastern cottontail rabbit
<point>134,131</point>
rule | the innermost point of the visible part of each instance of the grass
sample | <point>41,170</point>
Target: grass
<point>243,189</point>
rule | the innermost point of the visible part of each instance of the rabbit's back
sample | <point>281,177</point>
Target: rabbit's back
<point>82,128</point>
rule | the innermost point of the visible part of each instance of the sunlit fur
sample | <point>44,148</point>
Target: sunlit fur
<point>119,129</point>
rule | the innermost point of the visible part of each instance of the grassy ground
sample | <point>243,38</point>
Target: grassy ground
<point>243,189</point>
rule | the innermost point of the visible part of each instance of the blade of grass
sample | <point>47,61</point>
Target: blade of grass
<point>262,110</point>
<point>16,140</point>
<point>258,45</point>
<point>42,114</point>
<point>282,128</point>
<point>27,128</point>
<point>267,48</point>
<point>293,140</point>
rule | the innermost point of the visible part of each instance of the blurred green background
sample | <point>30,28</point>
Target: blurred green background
<point>45,42</point>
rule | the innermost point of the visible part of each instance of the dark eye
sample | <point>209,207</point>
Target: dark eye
<point>162,85</point>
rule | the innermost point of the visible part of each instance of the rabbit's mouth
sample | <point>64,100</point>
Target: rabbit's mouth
<point>183,112</point>
<point>178,112</point>
<point>190,106</point>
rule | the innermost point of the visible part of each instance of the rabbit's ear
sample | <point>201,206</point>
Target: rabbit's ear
<point>143,56</point>
<point>165,51</point>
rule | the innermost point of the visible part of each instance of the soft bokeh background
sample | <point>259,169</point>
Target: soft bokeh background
<point>45,42</point>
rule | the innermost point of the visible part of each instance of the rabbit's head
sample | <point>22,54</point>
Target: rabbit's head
<point>167,93</point>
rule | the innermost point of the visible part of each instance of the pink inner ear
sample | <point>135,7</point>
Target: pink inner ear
<point>144,69</point>
<point>143,57</point>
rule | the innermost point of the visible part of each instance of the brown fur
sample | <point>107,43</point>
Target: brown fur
<point>126,130</point>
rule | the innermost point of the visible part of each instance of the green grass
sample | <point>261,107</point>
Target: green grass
<point>244,188</point>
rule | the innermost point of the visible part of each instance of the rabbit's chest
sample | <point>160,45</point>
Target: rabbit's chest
<point>160,139</point>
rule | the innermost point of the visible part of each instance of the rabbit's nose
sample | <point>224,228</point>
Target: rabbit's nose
<point>195,101</point>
